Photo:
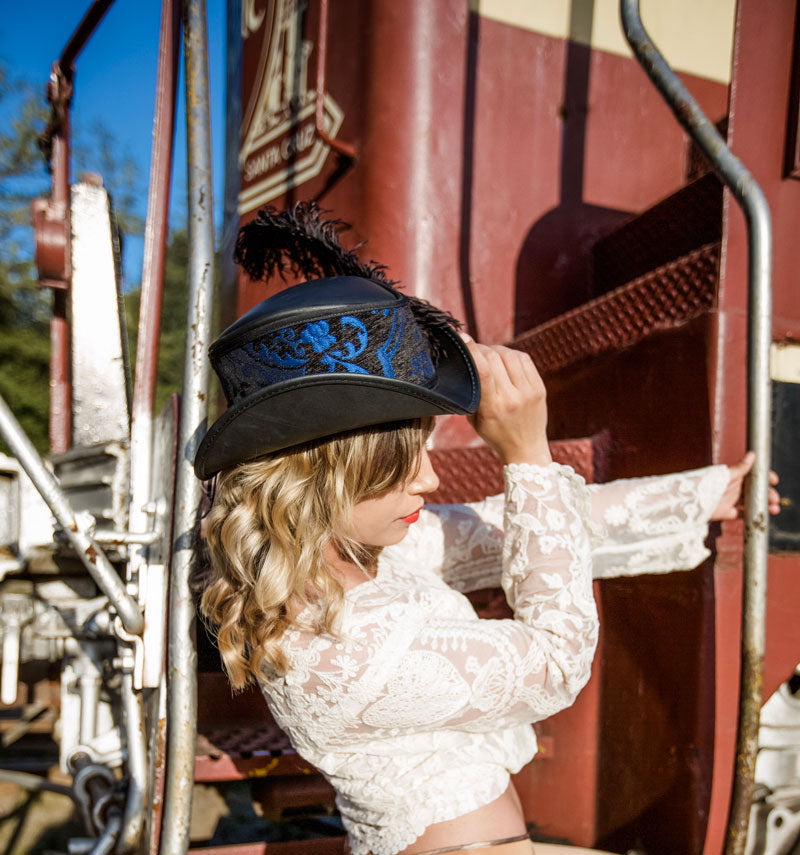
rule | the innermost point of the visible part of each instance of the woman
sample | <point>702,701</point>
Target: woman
<point>336,591</point>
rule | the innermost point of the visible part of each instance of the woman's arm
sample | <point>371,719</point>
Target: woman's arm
<point>417,659</point>
<point>656,524</point>
<point>639,525</point>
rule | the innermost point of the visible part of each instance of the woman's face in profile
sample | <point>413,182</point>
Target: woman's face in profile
<point>385,519</point>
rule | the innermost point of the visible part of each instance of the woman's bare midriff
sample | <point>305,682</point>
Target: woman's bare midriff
<point>498,820</point>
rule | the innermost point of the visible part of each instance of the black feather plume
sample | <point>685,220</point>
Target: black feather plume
<point>301,241</point>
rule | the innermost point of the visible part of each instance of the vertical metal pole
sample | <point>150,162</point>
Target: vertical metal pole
<point>144,391</point>
<point>182,656</point>
<point>155,244</point>
<point>60,390</point>
<point>756,523</point>
<point>136,745</point>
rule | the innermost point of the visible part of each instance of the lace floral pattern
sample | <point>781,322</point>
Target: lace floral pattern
<point>637,525</point>
<point>419,712</point>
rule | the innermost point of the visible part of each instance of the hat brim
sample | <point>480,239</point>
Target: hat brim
<point>308,408</point>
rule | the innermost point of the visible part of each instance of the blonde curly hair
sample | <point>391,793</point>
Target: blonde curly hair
<point>270,523</point>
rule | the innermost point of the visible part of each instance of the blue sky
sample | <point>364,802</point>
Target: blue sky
<point>115,83</point>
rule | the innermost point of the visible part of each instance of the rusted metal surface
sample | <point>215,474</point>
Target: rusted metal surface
<point>83,31</point>
<point>294,791</point>
<point>59,94</point>
<point>51,242</point>
<point>697,165</point>
<point>345,149</point>
<point>153,581</point>
<point>665,298</point>
<point>470,214</point>
<point>182,655</point>
<point>754,205</point>
<point>54,242</point>
<point>158,747</point>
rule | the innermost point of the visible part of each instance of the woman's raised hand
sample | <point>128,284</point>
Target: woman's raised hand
<point>512,416</point>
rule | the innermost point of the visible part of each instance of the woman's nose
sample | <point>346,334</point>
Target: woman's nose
<point>426,480</point>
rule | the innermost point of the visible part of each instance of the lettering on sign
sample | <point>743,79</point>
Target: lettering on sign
<point>280,148</point>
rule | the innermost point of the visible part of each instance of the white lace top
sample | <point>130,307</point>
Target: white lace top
<point>420,711</point>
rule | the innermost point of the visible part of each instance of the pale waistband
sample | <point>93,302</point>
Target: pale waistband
<point>509,846</point>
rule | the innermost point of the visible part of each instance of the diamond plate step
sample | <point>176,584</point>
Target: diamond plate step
<point>665,298</point>
<point>673,228</point>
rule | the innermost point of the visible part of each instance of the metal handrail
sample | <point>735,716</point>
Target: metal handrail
<point>182,656</point>
<point>753,203</point>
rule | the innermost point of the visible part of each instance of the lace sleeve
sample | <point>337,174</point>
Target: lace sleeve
<point>420,659</point>
<point>638,525</point>
<point>655,525</point>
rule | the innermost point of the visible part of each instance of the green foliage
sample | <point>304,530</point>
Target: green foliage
<point>24,307</point>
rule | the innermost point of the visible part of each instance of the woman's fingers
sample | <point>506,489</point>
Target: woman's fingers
<point>477,351</point>
<point>512,416</point>
<point>521,370</point>
<point>732,501</point>
<point>740,469</point>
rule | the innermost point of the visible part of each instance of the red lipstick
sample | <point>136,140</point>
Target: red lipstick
<point>412,518</point>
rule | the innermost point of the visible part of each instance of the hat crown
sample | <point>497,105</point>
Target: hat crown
<point>329,355</point>
<point>335,295</point>
<point>343,325</point>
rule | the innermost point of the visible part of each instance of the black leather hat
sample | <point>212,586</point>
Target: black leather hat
<point>331,355</point>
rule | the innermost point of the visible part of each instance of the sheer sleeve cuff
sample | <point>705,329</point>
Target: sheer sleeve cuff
<point>656,525</point>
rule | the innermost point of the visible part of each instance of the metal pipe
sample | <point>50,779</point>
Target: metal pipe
<point>182,656</point>
<point>87,549</point>
<point>751,199</point>
<point>60,427</point>
<point>136,743</point>
<point>82,32</point>
<point>127,538</point>
<point>35,783</point>
<point>155,245</point>
<point>106,841</point>
<point>9,665</point>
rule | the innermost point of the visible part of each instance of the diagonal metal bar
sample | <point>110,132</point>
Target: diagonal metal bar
<point>753,203</point>
<point>87,549</point>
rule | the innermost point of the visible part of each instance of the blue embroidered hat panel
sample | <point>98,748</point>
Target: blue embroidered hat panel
<point>381,342</point>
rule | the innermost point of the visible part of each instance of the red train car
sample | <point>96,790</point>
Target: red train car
<point>512,162</point>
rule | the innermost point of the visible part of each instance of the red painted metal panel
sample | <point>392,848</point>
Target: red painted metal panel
<point>470,182</point>
<point>490,159</point>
